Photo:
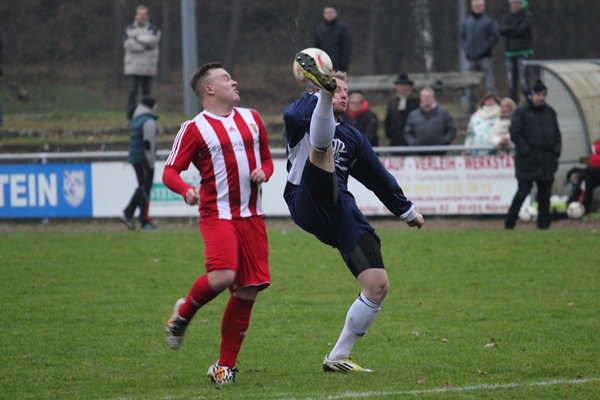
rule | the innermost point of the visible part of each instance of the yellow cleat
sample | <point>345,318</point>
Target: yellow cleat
<point>345,365</point>
<point>313,73</point>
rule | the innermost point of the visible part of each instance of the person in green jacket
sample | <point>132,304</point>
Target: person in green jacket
<point>516,27</point>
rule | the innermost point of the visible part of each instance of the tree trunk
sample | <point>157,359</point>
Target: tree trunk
<point>234,27</point>
<point>118,44</point>
<point>163,71</point>
<point>371,49</point>
<point>425,34</point>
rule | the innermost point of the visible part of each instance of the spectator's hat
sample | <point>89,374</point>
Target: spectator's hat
<point>403,79</point>
<point>148,101</point>
<point>538,87</point>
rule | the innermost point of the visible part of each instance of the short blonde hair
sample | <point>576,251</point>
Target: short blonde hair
<point>341,75</point>
<point>510,102</point>
<point>428,89</point>
<point>142,7</point>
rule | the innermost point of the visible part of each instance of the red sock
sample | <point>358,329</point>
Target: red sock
<point>233,329</point>
<point>200,294</point>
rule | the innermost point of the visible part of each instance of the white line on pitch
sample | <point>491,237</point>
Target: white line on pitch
<point>453,389</point>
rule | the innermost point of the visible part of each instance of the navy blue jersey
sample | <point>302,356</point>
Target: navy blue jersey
<point>353,156</point>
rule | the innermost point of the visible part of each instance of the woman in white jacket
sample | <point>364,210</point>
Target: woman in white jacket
<point>480,124</point>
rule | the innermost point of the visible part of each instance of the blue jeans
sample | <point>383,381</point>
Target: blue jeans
<point>516,69</point>
<point>485,65</point>
<point>134,83</point>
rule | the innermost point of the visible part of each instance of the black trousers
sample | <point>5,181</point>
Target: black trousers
<point>141,196</point>
<point>134,84</point>
<point>591,177</point>
<point>544,190</point>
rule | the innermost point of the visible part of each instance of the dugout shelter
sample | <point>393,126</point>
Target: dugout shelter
<point>574,92</point>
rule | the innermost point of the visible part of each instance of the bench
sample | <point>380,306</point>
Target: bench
<point>455,83</point>
<point>436,80</point>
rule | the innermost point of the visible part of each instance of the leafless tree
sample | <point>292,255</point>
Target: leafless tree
<point>234,27</point>
<point>425,33</point>
<point>371,49</point>
<point>117,79</point>
<point>163,71</point>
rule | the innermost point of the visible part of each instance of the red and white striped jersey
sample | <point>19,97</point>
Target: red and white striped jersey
<point>225,150</point>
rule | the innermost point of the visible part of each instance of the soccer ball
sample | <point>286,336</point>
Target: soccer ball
<point>323,61</point>
<point>528,214</point>
<point>575,210</point>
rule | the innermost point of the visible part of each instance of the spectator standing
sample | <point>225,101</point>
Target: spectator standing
<point>482,121</point>
<point>141,56</point>
<point>1,73</point>
<point>500,131</point>
<point>333,37</point>
<point>230,148</point>
<point>362,118</point>
<point>399,107</point>
<point>430,124</point>
<point>478,36</point>
<point>588,179</point>
<point>142,154</point>
<point>516,27</point>
<point>535,132</point>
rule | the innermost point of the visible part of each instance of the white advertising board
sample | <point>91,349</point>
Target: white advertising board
<point>445,185</point>
<point>115,182</point>
<point>440,185</point>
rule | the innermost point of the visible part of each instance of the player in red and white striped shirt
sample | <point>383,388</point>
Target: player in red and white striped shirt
<point>229,146</point>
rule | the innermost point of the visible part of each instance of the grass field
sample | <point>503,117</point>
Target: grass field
<point>83,317</point>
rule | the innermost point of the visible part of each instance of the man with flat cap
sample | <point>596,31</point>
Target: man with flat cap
<point>403,103</point>
<point>535,132</point>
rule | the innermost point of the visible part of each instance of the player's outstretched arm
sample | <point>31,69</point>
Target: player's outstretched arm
<point>173,181</point>
<point>417,222</point>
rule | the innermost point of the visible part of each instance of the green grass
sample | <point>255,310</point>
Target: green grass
<point>82,317</point>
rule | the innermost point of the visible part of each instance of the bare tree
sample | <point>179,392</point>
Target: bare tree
<point>371,45</point>
<point>163,71</point>
<point>425,34</point>
<point>234,24</point>
<point>118,44</point>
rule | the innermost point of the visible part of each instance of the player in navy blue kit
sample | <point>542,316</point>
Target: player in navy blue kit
<point>323,151</point>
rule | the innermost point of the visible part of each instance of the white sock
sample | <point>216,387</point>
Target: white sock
<point>322,124</point>
<point>361,315</point>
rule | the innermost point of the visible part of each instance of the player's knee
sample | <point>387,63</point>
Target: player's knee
<point>221,280</point>
<point>379,291</point>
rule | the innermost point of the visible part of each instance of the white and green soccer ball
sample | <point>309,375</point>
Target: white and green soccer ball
<point>575,210</point>
<point>528,214</point>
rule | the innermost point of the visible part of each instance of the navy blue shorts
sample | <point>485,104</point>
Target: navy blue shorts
<point>338,225</point>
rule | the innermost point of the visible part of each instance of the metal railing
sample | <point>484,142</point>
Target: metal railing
<point>276,152</point>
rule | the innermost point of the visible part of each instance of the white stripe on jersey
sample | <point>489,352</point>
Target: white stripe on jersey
<point>177,143</point>
<point>243,163</point>
<point>297,157</point>
<point>218,163</point>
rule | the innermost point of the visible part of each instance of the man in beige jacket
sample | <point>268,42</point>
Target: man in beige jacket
<point>141,56</point>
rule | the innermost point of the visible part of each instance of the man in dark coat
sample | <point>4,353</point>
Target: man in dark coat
<point>399,107</point>
<point>362,118</point>
<point>517,27</point>
<point>333,37</point>
<point>534,131</point>
<point>478,36</point>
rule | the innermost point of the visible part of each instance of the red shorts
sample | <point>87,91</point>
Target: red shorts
<point>240,245</point>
